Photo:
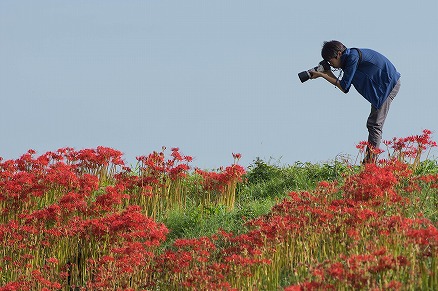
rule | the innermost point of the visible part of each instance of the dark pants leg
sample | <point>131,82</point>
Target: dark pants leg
<point>375,122</point>
<point>377,117</point>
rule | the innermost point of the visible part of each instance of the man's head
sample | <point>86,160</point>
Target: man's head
<point>331,52</point>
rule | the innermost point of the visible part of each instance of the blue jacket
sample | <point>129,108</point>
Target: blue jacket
<point>374,78</point>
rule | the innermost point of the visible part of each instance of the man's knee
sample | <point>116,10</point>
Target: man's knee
<point>374,127</point>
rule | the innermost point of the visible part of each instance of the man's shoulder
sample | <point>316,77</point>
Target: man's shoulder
<point>351,56</point>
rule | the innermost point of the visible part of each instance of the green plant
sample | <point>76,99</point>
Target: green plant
<point>261,171</point>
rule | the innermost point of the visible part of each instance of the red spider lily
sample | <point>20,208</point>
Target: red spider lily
<point>394,285</point>
<point>310,286</point>
<point>64,175</point>
<point>91,159</point>
<point>72,229</point>
<point>156,165</point>
<point>111,199</point>
<point>218,181</point>
<point>361,146</point>
<point>354,271</point>
<point>337,271</point>
<point>41,282</point>
<point>73,202</point>
<point>422,183</point>
<point>160,181</point>
<point>411,148</point>
<point>14,286</point>
<point>88,184</point>
<point>236,157</point>
<point>128,222</point>
<point>373,182</point>
<point>222,184</point>
<point>425,236</point>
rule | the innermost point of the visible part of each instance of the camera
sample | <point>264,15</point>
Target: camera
<point>322,66</point>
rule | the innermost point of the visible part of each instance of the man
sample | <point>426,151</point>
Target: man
<point>372,75</point>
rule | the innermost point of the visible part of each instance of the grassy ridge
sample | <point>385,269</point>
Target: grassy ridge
<point>82,220</point>
<point>265,196</point>
<point>264,185</point>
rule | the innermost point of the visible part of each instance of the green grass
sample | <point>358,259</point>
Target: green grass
<point>265,184</point>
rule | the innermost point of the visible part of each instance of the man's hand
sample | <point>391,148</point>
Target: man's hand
<point>329,76</point>
<point>316,74</point>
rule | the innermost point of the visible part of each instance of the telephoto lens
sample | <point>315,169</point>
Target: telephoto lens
<point>304,76</point>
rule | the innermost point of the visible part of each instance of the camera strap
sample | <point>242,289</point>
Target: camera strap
<point>360,55</point>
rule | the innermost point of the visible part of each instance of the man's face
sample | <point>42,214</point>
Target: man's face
<point>335,62</point>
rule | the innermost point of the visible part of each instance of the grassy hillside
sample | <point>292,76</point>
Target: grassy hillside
<point>82,220</point>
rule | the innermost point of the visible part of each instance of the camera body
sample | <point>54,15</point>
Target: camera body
<point>306,75</point>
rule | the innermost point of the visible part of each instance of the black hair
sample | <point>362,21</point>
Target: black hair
<point>331,48</point>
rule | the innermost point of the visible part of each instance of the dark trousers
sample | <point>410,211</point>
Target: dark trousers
<point>377,117</point>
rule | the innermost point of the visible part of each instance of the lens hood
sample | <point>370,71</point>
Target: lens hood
<point>304,76</point>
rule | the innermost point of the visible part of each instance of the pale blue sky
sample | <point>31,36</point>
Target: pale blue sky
<point>209,77</point>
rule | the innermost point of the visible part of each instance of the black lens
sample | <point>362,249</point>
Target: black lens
<point>304,76</point>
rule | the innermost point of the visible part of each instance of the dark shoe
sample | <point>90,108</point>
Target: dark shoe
<point>370,157</point>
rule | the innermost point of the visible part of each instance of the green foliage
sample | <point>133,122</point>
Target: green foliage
<point>196,221</point>
<point>181,222</point>
<point>264,185</point>
<point>427,167</point>
<point>261,171</point>
<point>267,180</point>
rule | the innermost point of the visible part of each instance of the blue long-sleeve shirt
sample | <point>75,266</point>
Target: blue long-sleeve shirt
<point>374,78</point>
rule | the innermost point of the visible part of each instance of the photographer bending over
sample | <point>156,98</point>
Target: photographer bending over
<point>373,76</point>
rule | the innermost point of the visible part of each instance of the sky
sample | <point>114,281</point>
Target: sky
<point>209,77</point>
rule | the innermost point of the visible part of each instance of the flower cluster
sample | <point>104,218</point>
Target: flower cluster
<point>81,220</point>
<point>221,185</point>
<point>411,148</point>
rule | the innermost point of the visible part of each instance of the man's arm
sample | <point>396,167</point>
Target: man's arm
<point>329,76</point>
